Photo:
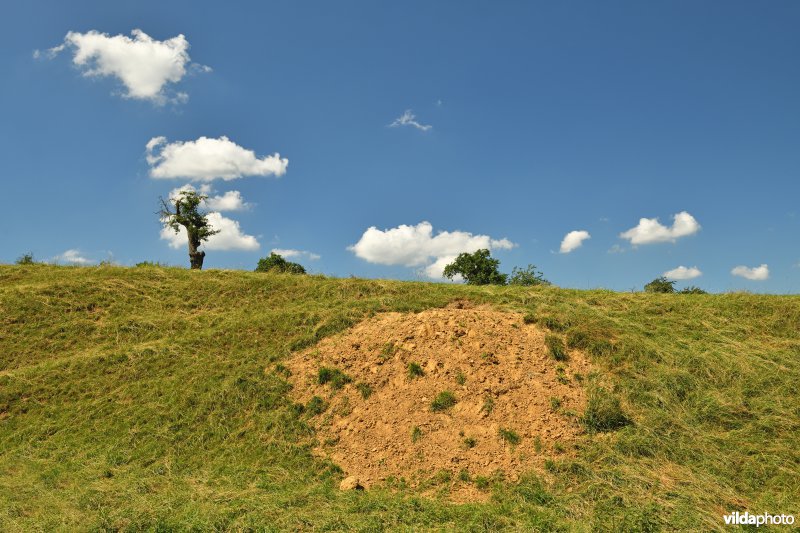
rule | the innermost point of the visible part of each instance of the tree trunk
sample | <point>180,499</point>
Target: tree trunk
<point>195,257</point>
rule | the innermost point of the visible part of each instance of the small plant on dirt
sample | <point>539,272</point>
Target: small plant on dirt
<point>464,475</point>
<point>364,389</point>
<point>416,434</point>
<point>509,436</point>
<point>482,482</point>
<point>529,318</point>
<point>537,444</point>
<point>461,378</point>
<point>388,350</point>
<point>441,477</point>
<point>470,442</point>
<point>298,409</point>
<point>555,403</point>
<point>316,406</point>
<point>556,347</point>
<point>558,447</point>
<point>443,401</point>
<point>561,375</point>
<point>490,358</point>
<point>334,376</point>
<point>603,412</point>
<point>415,371</point>
<point>488,405</point>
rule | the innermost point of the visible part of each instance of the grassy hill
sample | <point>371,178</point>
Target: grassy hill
<point>147,398</point>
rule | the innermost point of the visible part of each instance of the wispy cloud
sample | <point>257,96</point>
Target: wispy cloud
<point>288,253</point>
<point>408,118</point>
<point>73,257</point>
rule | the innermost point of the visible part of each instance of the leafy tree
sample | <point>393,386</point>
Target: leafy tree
<point>478,268</point>
<point>527,276</point>
<point>691,289</point>
<point>186,213</point>
<point>276,263</point>
<point>662,285</point>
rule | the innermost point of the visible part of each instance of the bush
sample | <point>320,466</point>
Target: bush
<point>143,264</point>
<point>478,268</point>
<point>604,412</point>
<point>415,371</point>
<point>509,435</point>
<point>276,263</point>
<point>556,347</point>
<point>26,259</point>
<point>527,277</point>
<point>660,285</point>
<point>443,401</point>
<point>691,289</point>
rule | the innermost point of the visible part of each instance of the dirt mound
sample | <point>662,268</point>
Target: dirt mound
<point>445,398</point>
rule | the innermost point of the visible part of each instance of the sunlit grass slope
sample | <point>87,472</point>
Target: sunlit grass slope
<point>147,398</point>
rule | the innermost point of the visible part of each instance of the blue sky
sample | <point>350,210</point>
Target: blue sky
<point>545,118</point>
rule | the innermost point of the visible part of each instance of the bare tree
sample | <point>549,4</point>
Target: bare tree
<point>186,213</point>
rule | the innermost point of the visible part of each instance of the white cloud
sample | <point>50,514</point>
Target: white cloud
<point>409,119</point>
<point>230,236</point>
<point>287,253</point>
<point>758,273</point>
<point>229,201</point>
<point>616,249</point>
<point>573,240</point>
<point>650,230</point>
<point>74,257</point>
<point>683,272</point>
<point>416,246</point>
<point>207,159</point>
<point>143,65</point>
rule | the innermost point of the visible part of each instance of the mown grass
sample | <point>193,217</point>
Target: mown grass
<point>138,399</point>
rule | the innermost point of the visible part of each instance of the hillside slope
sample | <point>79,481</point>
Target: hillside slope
<point>153,398</point>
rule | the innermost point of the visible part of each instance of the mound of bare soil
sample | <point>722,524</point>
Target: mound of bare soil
<point>388,416</point>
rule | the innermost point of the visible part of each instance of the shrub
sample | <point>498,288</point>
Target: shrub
<point>527,277</point>
<point>470,442</point>
<point>157,264</point>
<point>553,323</point>
<point>415,371</point>
<point>334,376</point>
<point>529,318</point>
<point>488,405</point>
<point>26,259</point>
<point>555,403</point>
<point>509,435</point>
<point>604,412</point>
<point>443,401</point>
<point>660,285</point>
<point>478,268</point>
<point>556,347</point>
<point>691,289</point>
<point>461,378</point>
<point>276,263</point>
<point>416,434</point>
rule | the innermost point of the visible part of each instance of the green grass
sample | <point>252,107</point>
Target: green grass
<point>150,399</point>
<point>414,370</point>
<point>333,376</point>
<point>443,401</point>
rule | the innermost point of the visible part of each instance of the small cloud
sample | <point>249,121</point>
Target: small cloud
<point>439,103</point>
<point>759,273</point>
<point>288,253</point>
<point>603,219</point>
<point>409,119</point>
<point>145,66</point>
<point>207,159</point>
<point>682,273</point>
<point>616,249</point>
<point>650,230</point>
<point>573,240</point>
<point>73,257</point>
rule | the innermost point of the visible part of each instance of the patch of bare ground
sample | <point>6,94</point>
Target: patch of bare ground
<point>441,400</point>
